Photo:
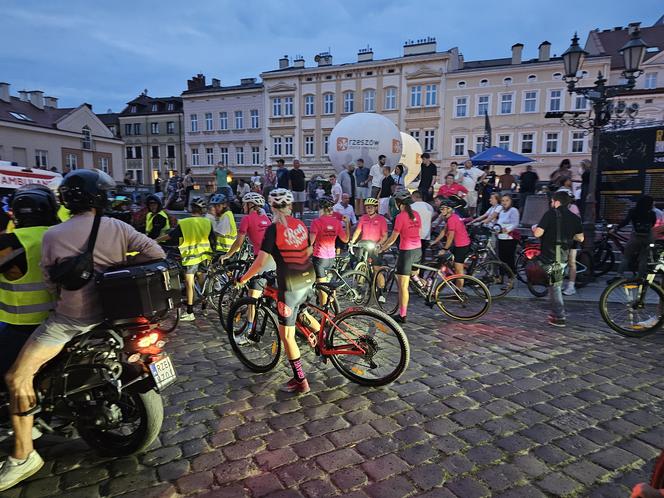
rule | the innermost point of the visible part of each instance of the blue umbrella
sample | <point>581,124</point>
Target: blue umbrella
<point>499,156</point>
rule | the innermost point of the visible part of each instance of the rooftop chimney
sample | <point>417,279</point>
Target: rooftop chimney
<point>247,81</point>
<point>633,26</point>
<point>517,49</point>
<point>298,61</point>
<point>23,95</point>
<point>365,54</point>
<point>37,98</point>
<point>196,82</point>
<point>283,62</point>
<point>461,61</point>
<point>324,59</point>
<point>422,46</point>
<point>4,92</point>
<point>52,102</point>
<point>216,82</point>
<point>544,51</point>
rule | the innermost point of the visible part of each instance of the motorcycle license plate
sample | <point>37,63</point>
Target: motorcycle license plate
<point>163,372</point>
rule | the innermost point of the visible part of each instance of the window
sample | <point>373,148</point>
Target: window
<point>461,107</point>
<point>555,100</point>
<point>276,106</point>
<point>349,101</point>
<point>129,152</point>
<point>484,82</point>
<point>415,134</point>
<point>530,101</point>
<point>429,139</point>
<point>87,138</point>
<point>155,151</point>
<point>431,95</point>
<point>532,78</point>
<point>288,146</point>
<point>482,105</point>
<point>154,128</point>
<point>288,106</point>
<point>208,122</point>
<point>104,164</point>
<point>504,141</point>
<point>507,81</point>
<point>170,127</point>
<point>416,96</point>
<point>128,129</point>
<point>326,144</point>
<point>557,76</point>
<point>552,142</point>
<point>369,96</point>
<point>194,122</point>
<point>239,120</point>
<point>461,84</point>
<point>328,103</point>
<point>580,103</point>
<point>390,98</point>
<point>170,106</point>
<point>155,107</point>
<point>132,109</point>
<point>308,145</point>
<point>72,161</point>
<point>578,141</point>
<point>223,121</point>
<point>223,155</point>
<point>308,105</point>
<point>254,119</point>
<point>650,80</point>
<point>479,143</point>
<point>41,159</point>
<point>255,156</point>
<point>138,152</point>
<point>170,151</point>
<point>276,146</point>
<point>209,155</point>
<point>195,157</point>
<point>459,146</point>
<point>137,128</point>
<point>527,143</point>
<point>506,103</point>
<point>239,156</point>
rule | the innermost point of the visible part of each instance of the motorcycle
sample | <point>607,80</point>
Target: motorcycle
<point>104,386</point>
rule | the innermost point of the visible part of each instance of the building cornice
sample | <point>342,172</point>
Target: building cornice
<point>55,131</point>
<point>511,68</point>
<point>281,87</point>
<point>202,95</point>
<point>424,72</point>
<point>156,115</point>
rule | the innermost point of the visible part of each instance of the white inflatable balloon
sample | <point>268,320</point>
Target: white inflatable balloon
<point>364,135</point>
<point>411,157</point>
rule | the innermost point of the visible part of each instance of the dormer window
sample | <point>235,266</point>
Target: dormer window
<point>155,107</point>
<point>170,106</point>
<point>132,109</point>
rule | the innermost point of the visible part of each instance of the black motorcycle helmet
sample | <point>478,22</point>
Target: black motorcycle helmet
<point>154,198</point>
<point>84,189</point>
<point>34,206</point>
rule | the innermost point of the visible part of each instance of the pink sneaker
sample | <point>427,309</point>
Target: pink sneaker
<point>296,386</point>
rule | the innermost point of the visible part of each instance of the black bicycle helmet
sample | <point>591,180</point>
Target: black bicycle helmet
<point>403,197</point>
<point>84,189</point>
<point>154,198</point>
<point>453,202</point>
<point>34,205</point>
<point>326,202</point>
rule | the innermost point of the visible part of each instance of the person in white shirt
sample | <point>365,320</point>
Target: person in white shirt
<point>336,189</point>
<point>256,179</point>
<point>242,188</point>
<point>425,210</point>
<point>344,208</point>
<point>508,219</point>
<point>491,215</point>
<point>376,176</point>
<point>468,176</point>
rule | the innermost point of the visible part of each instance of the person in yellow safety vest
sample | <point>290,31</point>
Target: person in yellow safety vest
<point>63,213</point>
<point>223,222</point>
<point>25,300</point>
<point>196,240</point>
<point>156,220</point>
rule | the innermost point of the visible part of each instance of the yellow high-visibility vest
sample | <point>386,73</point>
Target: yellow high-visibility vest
<point>149,222</point>
<point>195,243</point>
<point>225,240</point>
<point>63,213</point>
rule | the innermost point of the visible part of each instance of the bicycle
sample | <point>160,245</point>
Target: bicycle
<point>633,307</point>
<point>604,257</point>
<point>460,297</point>
<point>364,345</point>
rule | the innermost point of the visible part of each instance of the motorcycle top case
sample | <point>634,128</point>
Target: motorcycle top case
<point>139,291</point>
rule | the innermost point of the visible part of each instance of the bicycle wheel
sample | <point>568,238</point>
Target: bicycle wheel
<point>228,295</point>
<point>214,284</point>
<point>462,297</point>
<point>537,290</point>
<point>386,351</point>
<point>169,320</point>
<point>497,276</point>
<point>603,260</point>
<point>584,268</point>
<point>386,290</point>
<point>632,307</point>
<point>354,288</point>
<point>520,265</point>
<point>256,343</point>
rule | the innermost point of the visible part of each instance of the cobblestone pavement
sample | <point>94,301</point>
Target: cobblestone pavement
<point>506,406</point>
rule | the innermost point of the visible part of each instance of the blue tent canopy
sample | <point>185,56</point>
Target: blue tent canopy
<point>499,156</point>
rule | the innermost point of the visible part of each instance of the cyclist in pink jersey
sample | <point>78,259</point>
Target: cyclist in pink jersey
<point>372,231</point>
<point>456,236</point>
<point>407,229</point>
<point>323,235</point>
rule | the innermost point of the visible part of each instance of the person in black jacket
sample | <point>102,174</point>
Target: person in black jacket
<point>643,219</point>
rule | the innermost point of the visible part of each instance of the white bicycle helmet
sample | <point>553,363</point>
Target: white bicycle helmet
<point>280,197</point>
<point>253,198</point>
<point>199,202</point>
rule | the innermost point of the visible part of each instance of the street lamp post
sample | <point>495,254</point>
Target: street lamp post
<point>604,110</point>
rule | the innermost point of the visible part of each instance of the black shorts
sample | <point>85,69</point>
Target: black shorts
<point>289,304</point>
<point>322,265</point>
<point>460,253</point>
<point>406,260</point>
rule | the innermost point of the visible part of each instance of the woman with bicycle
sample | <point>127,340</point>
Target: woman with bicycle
<point>286,240</point>
<point>457,240</point>
<point>407,226</point>
<point>323,236</point>
<point>371,230</point>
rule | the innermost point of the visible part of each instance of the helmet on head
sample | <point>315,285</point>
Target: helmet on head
<point>280,197</point>
<point>84,189</point>
<point>154,198</point>
<point>371,201</point>
<point>326,202</point>
<point>34,205</point>
<point>253,198</point>
<point>403,197</point>
<point>453,202</point>
<point>218,199</point>
<point>198,202</point>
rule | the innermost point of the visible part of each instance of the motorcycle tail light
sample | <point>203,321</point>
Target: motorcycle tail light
<point>531,253</point>
<point>148,340</point>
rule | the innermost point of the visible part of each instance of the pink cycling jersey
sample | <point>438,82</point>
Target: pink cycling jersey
<point>454,224</point>
<point>373,228</point>
<point>326,229</point>
<point>408,230</point>
<point>253,226</point>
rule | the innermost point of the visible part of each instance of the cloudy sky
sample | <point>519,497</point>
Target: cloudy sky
<point>106,53</point>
